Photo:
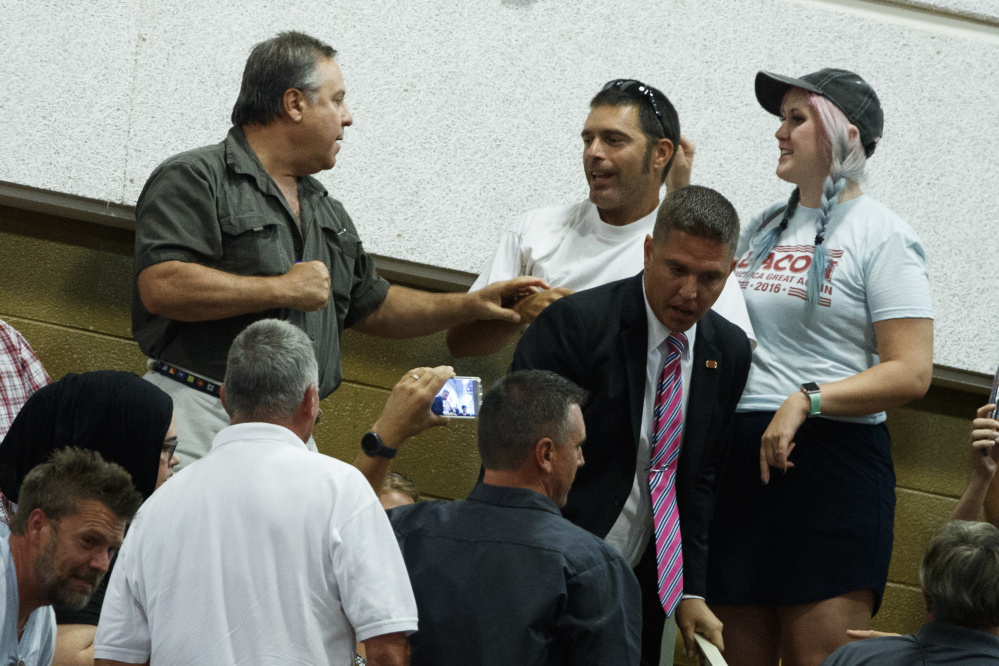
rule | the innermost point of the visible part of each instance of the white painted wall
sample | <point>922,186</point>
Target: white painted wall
<point>468,112</point>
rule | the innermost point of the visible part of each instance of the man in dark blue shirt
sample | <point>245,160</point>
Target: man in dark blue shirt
<point>959,576</point>
<point>501,578</point>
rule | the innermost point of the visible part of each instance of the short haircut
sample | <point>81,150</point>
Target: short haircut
<point>521,409</point>
<point>647,119</point>
<point>698,211</point>
<point>960,574</point>
<point>271,364</point>
<point>275,66</point>
<point>72,475</point>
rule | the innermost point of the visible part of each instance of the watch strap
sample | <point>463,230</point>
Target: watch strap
<point>811,390</point>
<point>371,444</point>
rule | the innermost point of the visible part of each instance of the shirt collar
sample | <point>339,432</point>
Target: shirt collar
<point>657,332</point>
<point>239,156</point>
<point>512,497</point>
<point>243,432</point>
<point>951,634</point>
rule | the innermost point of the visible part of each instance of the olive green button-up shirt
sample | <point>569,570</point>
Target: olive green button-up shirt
<point>216,206</point>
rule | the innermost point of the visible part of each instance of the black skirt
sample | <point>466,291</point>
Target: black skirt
<point>821,530</point>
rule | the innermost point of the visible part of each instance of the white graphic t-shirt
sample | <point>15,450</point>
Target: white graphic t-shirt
<point>876,270</point>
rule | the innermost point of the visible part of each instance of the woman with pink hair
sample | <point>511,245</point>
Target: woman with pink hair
<point>838,295</point>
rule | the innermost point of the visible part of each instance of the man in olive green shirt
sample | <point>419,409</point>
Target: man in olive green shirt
<point>240,231</point>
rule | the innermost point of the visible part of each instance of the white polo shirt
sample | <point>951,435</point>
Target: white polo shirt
<point>262,552</point>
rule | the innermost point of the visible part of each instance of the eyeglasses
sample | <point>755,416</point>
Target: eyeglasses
<point>319,415</point>
<point>645,91</point>
<point>169,448</point>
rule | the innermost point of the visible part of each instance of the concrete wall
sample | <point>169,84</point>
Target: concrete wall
<point>469,113</point>
<point>66,286</point>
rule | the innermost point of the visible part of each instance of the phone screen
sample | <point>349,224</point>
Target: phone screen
<point>459,398</point>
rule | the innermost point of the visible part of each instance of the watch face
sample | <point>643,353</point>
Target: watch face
<point>810,387</point>
<point>370,443</point>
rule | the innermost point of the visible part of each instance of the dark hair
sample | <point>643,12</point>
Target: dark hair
<point>270,366</point>
<point>611,95</point>
<point>960,574</point>
<point>70,476</point>
<point>521,409</point>
<point>275,66</point>
<point>698,211</point>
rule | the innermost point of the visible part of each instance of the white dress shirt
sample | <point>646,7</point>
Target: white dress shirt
<point>631,531</point>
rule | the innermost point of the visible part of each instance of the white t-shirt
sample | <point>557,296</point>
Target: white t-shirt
<point>262,552</point>
<point>878,272</point>
<point>571,247</point>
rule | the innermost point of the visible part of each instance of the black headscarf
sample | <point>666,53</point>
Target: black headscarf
<point>118,414</point>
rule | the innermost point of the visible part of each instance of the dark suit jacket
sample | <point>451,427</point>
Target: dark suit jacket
<point>598,339</point>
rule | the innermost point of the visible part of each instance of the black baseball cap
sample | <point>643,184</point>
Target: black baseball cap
<point>850,93</point>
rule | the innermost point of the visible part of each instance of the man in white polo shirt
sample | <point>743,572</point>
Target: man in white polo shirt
<point>631,146</point>
<point>262,552</point>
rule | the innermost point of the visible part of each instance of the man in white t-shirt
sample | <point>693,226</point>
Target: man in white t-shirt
<point>262,552</point>
<point>631,146</point>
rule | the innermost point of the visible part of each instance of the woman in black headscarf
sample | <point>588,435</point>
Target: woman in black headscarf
<point>118,414</point>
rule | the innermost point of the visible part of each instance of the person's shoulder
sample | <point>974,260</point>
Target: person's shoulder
<point>582,550</point>
<point>412,517</point>
<point>208,158</point>
<point>725,328</point>
<point>617,291</point>
<point>556,215</point>
<point>877,220</point>
<point>604,302</point>
<point>880,651</point>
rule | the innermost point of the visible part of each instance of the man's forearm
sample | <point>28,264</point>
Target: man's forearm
<point>969,507</point>
<point>409,313</point>
<point>387,650</point>
<point>192,292</point>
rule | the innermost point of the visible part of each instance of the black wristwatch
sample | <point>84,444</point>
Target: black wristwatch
<point>371,444</point>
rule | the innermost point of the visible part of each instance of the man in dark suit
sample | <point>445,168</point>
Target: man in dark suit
<point>612,341</point>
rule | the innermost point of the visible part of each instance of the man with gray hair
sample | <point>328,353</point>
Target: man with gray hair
<point>960,579</point>
<point>660,367</point>
<point>262,551</point>
<point>239,231</point>
<point>501,578</point>
<point>69,523</point>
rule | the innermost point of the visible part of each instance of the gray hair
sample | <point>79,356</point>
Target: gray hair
<point>960,574</point>
<point>521,409</point>
<point>72,475</point>
<point>698,211</point>
<point>275,66</point>
<point>271,365</point>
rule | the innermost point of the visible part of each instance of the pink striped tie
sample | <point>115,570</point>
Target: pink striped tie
<point>667,426</point>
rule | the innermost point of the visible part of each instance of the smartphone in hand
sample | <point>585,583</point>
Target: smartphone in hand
<point>459,398</point>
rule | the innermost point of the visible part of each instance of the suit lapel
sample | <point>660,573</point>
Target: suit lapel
<point>633,341</point>
<point>703,382</point>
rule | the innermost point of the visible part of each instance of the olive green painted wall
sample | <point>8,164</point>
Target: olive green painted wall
<point>66,286</point>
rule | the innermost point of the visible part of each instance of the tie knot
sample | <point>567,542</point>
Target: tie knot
<point>677,342</point>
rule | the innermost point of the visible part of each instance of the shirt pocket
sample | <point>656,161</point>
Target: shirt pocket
<point>343,248</point>
<point>252,245</point>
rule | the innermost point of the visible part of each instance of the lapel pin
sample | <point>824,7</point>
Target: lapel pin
<point>711,364</point>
